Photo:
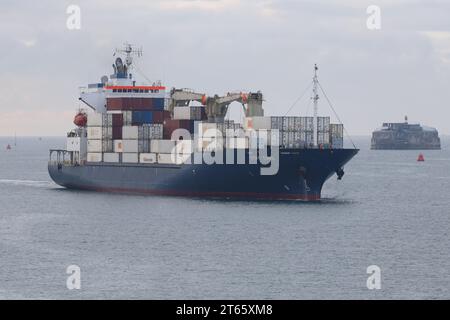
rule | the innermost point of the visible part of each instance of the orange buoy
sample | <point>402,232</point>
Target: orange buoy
<point>420,158</point>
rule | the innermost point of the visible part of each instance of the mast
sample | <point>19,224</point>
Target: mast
<point>315,98</point>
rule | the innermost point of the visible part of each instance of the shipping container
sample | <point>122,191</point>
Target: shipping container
<point>99,133</point>
<point>130,132</point>
<point>135,104</point>
<point>168,158</point>
<point>96,119</point>
<point>162,146</point>
<point>171,125</point>
<point>130,146</point>
<point>148,158</point>
<point>323,124</point>
<point>94,146</point>
<point>117,133</point>
<point>323,138</point>
<point>107,145</point>
<point>111,157</point>
<point>141,117</point>
<point>94,133</point>
<point>94,157</point>
<point>160,116</point>
<point>144,145</point>
<point>117,120</point>
<point>337,130</point>
<point>130,157</point>
<point>187,113</point>
<point>151,131</point>
<point>258,123</point>
<point>337,142</point>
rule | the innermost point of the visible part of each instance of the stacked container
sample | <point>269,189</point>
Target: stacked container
<point>99,136</point>
<point>337,136</point>
<point>187,113</point>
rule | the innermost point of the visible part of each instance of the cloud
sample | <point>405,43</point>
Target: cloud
<point>205,5</point>
<point>28,42</point>
<point>440,41</point>
<point>218,46</point>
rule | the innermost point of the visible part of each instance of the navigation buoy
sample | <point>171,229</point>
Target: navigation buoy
<point>420,158</point>
<point>8,147</point>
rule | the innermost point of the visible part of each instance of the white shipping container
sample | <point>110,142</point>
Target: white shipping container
<point>165,158</point>
<point>261,123</point>
<point>187,113</point>
<point>144,145</point>
<point>94,157</point>
<point>94,146</point>
<point>130,157</point>
<point>94,119</point>
<point>162,146</point>
<point>148,158</point>
<point>94,133</point>
<point>107,146</point>
<point>168,158</point>
<point>130,146</point>
<point>111,157</point>
<point>130,132</point>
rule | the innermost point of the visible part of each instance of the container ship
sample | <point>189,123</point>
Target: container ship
<point>145,139</point>
<point>405,136</point>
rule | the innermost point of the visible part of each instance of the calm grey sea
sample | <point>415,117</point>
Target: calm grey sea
<point>389,211</point>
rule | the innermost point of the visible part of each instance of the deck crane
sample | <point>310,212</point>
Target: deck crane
<point>216,107</point>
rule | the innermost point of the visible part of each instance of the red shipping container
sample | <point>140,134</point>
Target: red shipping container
<point>117,120</point>
<point>160,116</point>
<point>117,133</point>
<point>134,104</point>
<point>171,125</point>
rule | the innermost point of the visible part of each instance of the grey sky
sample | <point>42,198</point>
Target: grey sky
<point>216,46</point>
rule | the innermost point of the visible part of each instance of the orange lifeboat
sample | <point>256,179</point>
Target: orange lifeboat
<point>80,119</point>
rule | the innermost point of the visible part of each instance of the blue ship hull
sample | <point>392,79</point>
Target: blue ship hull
<point>301,175</point>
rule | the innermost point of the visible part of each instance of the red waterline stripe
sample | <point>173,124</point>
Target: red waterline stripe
<point>242,195</point>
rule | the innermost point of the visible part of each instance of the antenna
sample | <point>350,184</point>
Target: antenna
<point>129,50</point>
<point>315,98</point>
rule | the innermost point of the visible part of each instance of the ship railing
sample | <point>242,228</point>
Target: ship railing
<point>61,157</point>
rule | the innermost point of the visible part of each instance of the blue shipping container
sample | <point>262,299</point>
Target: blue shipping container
<point>158,103</point>
<point>141,117</point>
